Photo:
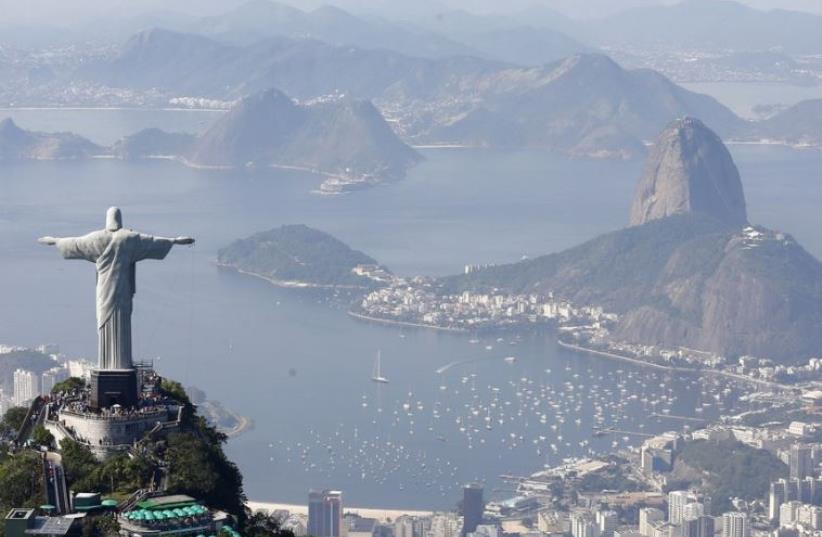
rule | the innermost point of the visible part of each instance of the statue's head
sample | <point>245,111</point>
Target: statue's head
<point>114,219</point>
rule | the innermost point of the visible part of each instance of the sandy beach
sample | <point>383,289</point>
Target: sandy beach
<point>383,515</point>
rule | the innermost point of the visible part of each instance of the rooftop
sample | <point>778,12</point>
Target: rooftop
<point>167,502</point>
<point>362,525</point>
<point>50,526</point>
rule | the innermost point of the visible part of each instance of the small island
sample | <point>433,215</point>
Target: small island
<point>300,256</point>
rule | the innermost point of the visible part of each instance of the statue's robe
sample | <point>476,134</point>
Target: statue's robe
<point>116,254</point>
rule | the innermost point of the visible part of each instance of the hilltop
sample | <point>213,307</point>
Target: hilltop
<point>20,144</point>
<point>689,170</point>
<point>298,256</point>
<point>344,138</point>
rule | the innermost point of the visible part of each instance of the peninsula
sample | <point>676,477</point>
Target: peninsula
<point>300,256</point>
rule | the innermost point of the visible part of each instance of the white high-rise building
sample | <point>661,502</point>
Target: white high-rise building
<point>789,513</point>
<point>677,500</point>
<point>583,525</point>
<point>735,524</point>
<point>26,387</point>
<point>692,511</point>
<point>51,377</point>
<point>445,525</point>
<point>79,368</point>
<point>647,516</point>
<point>404,527</point>
<point>607,522</point>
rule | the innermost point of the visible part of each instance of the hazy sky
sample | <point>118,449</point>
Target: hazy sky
<point>63,12</point>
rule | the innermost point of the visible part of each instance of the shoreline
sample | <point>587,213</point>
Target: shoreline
<point>383,515</point>
<point>675,369</point>
<point>287,284</point>
<point>392,322</point>
<point>614,356</point>
<point>244,425</point>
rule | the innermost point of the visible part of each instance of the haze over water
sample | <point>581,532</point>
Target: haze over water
<point>239,338</point>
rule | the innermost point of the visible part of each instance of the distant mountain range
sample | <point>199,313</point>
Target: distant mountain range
<point>585,105</point>
<point>345,139</point>
<point>262,19</point>
<point>468,91</point>
<point>694,275</point>
<point>532,36</point>
<point>298,256</point>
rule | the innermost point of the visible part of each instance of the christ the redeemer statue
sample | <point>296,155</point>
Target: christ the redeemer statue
<point>115,251</point>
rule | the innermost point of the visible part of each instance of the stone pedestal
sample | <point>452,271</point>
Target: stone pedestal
<point>113,387</point>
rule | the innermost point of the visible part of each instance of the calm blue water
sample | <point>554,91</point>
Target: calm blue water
<point>410,443</point>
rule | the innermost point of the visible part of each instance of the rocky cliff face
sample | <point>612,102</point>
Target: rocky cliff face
<point>759,293</point>
<point>689,171</point>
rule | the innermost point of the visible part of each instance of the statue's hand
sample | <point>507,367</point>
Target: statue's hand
<point>183,240</point>
<point>49,241</point>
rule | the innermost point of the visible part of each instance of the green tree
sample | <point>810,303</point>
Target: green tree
<point>21,481</point>
<point>175,390</point>
<point>41,437</point>
<point>106,525</point>
<point>263,525</point>
<point>12,420</point>
<point>733,469</point>
<point>78,461</point>
<point>198,467</point>
<point>69,385</point>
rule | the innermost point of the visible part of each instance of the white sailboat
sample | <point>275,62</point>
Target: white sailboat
<point>377,376</point>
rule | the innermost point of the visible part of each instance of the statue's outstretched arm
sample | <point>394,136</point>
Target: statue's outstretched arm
<point>48,240</point>
<point>152,247</point>
<point>183,240</point>
<point>88,247</point>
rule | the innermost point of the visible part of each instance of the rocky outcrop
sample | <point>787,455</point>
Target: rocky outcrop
<point>20,144</point>
<point>689,171</point>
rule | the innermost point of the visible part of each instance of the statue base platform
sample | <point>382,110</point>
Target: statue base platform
<point>111,387</point>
